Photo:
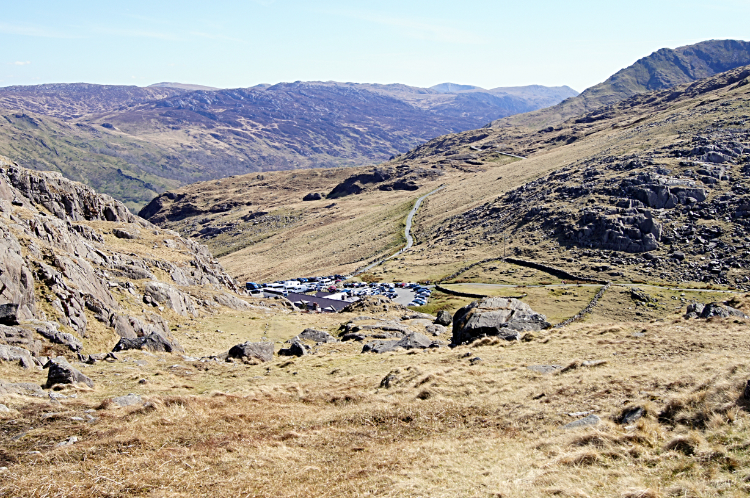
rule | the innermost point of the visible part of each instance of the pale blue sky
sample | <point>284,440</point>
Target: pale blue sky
<point>242,43</point>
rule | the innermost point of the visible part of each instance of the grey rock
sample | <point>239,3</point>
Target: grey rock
<point>3,408</point>
<point>544,369</point>
<point>435,329</point>
<point>588,421</point>
<point>61,372</point>
<point>312,197</point>
<point>127,400</point>
<point>50,332</point>
<point>414,340</point>
<point>125,234</point>
<point>170,297</point>
<point>20,355</point>
<point>24,388</point>
<point>295,349</point>
<point>694,310</point>
<point>496,316</point>
<point>317,336</point>
<point>631,414</point>
<point>262,351</point>
<point>20,337</point>
<point>444,318</point>
<point>152,342</point>
<point>721,310</point>
<point>9,314</point>
<point>231,301</point>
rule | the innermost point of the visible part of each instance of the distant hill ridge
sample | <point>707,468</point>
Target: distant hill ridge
<point>134,142</point>
<point>662,69</point>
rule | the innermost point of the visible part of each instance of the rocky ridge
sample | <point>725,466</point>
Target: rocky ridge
<point>70,257</point>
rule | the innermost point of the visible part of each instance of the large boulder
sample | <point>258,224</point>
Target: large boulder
<point>444,318</point>
<point>152,342</point>
<point>296,348</point>
<point>721,310</point>
<point>507,318</point>
<point>262,351</point>
<point>61,372</point>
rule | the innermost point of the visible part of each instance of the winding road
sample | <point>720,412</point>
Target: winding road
<point>407,233</point>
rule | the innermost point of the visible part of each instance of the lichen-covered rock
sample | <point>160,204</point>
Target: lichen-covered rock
<point>496,316</point>
<point>414,340</point>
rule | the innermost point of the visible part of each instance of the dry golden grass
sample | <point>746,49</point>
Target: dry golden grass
<point>322,425</point>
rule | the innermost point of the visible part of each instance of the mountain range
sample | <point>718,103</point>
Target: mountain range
<point>135,142</point>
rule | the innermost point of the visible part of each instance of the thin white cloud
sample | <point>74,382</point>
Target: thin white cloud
<point>211,36</point>
<point>417,28</point>
<point>136,33</point>
<point>20,63</point>
<point>32,30</point>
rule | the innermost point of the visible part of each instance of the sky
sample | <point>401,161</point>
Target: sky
<point>231,44</point>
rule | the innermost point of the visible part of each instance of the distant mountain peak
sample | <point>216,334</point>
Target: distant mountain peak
<point>454,87</point>
<point>183,86</point>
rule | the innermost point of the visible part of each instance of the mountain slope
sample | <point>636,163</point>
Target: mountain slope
<point>74,100</point>
<point>595,193</point>
<point>662,69</point>
<point>136,142</point>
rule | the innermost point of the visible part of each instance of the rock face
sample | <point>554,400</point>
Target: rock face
<point>52,244</point>
<point>170,297</point>
<point>262,351</point>
<point>496,316</point>
<point>61,372</point>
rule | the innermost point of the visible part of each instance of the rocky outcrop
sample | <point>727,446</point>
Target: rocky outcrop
<point>402,177</point>
<point>53,244</point>
<point>496,316</point>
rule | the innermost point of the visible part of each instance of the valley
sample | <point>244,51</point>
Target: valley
<point>583,274</point>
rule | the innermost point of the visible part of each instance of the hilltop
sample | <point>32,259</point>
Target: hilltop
<point>663,69</point>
